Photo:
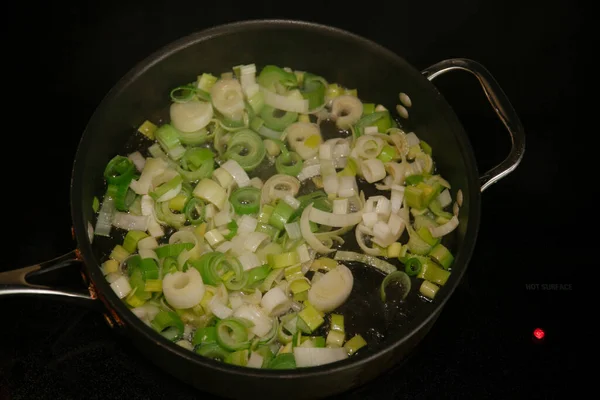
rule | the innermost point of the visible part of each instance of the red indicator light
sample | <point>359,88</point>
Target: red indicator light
<point>539,333</point>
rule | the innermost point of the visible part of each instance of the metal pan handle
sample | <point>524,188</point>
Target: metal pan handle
<point>17,282</point>
<point>501,106</point>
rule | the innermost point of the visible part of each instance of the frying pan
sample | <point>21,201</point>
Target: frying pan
<point>342,57</point>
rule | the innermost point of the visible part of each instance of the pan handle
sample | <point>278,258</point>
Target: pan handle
<point>17,282</point>
<point>502,107</point>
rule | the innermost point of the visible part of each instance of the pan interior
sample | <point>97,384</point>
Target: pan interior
<point>339,57</point>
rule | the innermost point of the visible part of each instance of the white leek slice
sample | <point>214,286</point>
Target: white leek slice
<point>347,187</point>
<point>370,218</point>
<point>212,192</point>
<point>293,102</point>
<point>256,182</point>
<point>398,137</point>
<point>346,110</point>
<point>412,139</point>
<point>191,116</point>
<point>228,98</point>
<point>368,146</point>
<point>237,244</point>
<point>330,219</point>
<point>248,79</point>
<point>341,149</point>
<point>255,360</point>
<point>370,130</point>
<point>278,186</point>
<point>224,247</point>
<point>383,208</point>
<point>445,229</point>
<point>303,253</point>
<point>382,234</point>
<point>130,222</point>
<point>325,151</point>
<point>331,183</point>
<point>396,225</point>
<point>223,217</point>
<point>105,217</point>
<point>310,237</point>
<point>219,309</point>
<point>444,198</point>
<point>154,227</point>
<point>253,298</point>
<point>340,206</point>
<point>309,172</point>
<point>187,236</point>
<point>183,289</point>
<point>168,175</point>
<point>275,302</point>
<point>397,171</point>
<point>297,135</point>
<point>138,160</point>
<point>146,312</point>
<point>396,198</point>
<point>373,170</point>
<point>214,238</point>
<point>332,290</point>
<point>249,260</point>
<point>223,177</point>
<point>254,240</point>
<point>293,230</point>
<point>255,314</point>
<point>113,277</point>
<point>121,287</point>
<point>246,224</point>
<point>152,168</point>
<point>237,172</point>
<point>360,231</point>
<point>291,201</point>
<point>315,356</point>
<point>149,243</point>
<point>148,253</point>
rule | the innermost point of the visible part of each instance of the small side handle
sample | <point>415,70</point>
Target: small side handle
<point>501,106</point>
<point>23,281</point>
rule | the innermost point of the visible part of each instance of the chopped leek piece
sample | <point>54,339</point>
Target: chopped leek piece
<point>283,361</point>
<point>396,276</point>
<point>425,234</point>
<point>311,317</point>
<point>119,253</point>
<point>433,273</point>
<point>335,339</point>
<point>222,223</point>
<point>168,324</point>
<point>153,285</point>
<point>429,289</point>
<point>393,250</point>
<point>337,323</point>
<point>442,255</point>
<point>354,344</point>
<point>412,266</point>
<point>283,260</point>
<point>147,128</point>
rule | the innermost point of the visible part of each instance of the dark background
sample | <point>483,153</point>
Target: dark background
<point>60,60</point>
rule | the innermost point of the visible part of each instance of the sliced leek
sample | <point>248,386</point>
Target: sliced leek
<point>235,229</point>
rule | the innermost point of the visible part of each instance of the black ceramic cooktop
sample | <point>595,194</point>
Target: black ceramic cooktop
<point>59,62</point>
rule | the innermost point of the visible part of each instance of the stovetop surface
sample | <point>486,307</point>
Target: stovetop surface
<point>482,344</point>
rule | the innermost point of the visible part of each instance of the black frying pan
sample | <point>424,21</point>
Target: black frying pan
<point>342,57</point>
